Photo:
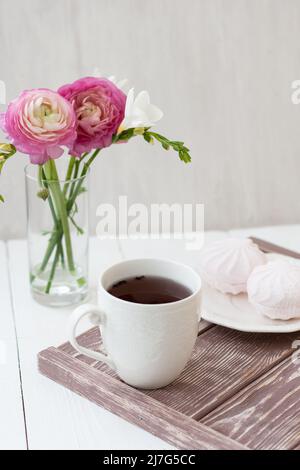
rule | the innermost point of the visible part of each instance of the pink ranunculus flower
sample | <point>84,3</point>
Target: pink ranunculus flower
<point>99,106</point>
<point>39,122</point>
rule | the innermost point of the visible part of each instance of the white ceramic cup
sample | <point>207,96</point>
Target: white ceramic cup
<point>148,345</point>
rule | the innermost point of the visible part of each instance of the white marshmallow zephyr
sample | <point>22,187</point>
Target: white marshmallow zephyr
<point>226,264</point>
<point>274,290</point>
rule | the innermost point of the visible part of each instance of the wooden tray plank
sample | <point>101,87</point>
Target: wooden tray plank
<point>265,415</point>
<point>131,404</point>
<point>223,362</point>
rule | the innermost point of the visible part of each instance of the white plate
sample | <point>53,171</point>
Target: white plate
<point>234,311</point>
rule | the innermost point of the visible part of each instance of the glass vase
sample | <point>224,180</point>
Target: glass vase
<point>57,228</point>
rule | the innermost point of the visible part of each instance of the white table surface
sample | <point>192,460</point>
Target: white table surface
<point>37,413</point>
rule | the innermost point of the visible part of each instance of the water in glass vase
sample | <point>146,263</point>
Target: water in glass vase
<point>57,211</point>
<point>65,288</point>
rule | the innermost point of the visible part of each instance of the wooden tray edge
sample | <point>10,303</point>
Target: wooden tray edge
<point>130,404</point>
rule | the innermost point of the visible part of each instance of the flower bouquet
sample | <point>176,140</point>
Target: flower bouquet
<point>83,117</point>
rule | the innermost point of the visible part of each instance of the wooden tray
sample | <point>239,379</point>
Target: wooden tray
<point>239,391</point>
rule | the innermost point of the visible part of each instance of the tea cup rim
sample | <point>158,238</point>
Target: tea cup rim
<point>168,305</point>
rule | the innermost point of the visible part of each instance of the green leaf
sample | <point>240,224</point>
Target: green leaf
<point>1,198</point>
<point>80,231</point>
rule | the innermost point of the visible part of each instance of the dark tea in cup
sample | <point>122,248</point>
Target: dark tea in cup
<point>149,290</point>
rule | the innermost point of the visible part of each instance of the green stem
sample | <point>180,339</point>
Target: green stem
<point>73,163</point>
<point>40,175</point>
<point>57,225</point>
<point>50,202</point>
<point>90,161</point>
<point>79,229</point>
<point>53,268</point>
<point>80,182</point>
<point>54,240</point>
<point>74,178</point>
<point>69,174</point>
<point>57,237</point>
<point>62,256</point>
<point>60,203</point>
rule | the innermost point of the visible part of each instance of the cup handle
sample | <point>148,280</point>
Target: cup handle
<point>97,317</point>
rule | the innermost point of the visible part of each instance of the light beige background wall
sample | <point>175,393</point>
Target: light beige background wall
<point>220,69</point>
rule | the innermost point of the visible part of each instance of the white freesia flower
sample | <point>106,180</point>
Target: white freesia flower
<point>139,112</point>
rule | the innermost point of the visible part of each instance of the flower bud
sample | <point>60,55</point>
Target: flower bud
<point>43,194</point>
